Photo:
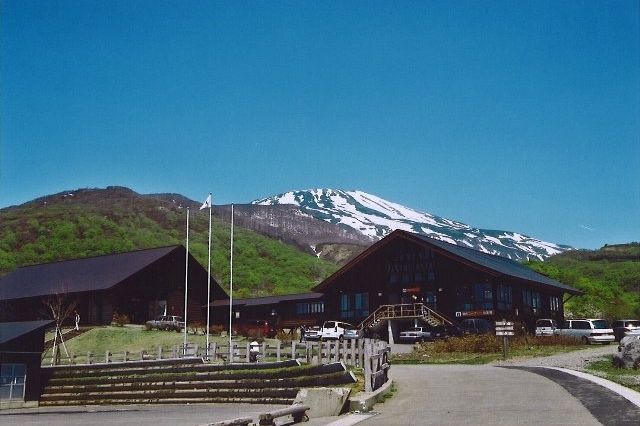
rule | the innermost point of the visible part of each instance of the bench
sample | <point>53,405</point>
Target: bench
<point>297,411</point>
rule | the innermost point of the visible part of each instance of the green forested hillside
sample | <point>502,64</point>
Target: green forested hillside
<point>610,276</point>
<point>95,222</point>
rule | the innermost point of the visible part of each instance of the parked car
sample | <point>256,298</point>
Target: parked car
<point>546,327</point>
<point>587,330</point>
<point>476,326</point>
<point>622,327</point>
<point>335,329</point>
<point>446,331</point>
<point>166,322</point>
<point>353,333</point>
<point>313,333</point>
<point>415,334</point>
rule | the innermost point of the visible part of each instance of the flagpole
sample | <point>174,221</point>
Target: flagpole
<point>186,286</point>
<point>231,284</point>
<point>209,278</point>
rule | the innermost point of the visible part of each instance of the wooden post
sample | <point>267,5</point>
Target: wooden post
<point>126,356</point>
<point>89,358</point>
<point>264,352</point>
<point>195,350</point>
<point>159,352</point>
<point>107,355</point>
<point>361,345</point>
<point>278,350</point>
<point>367,367</point>
<point>142,353</point>
<point>344,354</point>
<point>212,351</point>
<point>232,351</point>
<point>293,349</point>
<point>352,360</point>
<point>248,352</point>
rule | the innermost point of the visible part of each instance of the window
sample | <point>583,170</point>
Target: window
<point>306,308</point>
<point>12,377</point>
<point>531,300</point>
<point>504,297</point>
<point>355,305</point>
<point>408,267</point>
<point>475,297</point>
<point>554,304</point>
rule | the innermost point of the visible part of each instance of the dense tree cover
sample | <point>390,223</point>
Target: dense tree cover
<point>61,229</point>
<point>610,277</point>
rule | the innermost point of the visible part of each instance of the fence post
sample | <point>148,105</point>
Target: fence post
<point>89,358</point>
<point>293,349</point>
<point>352,361</point>
<point>361,353</point>
<point>159,352</point>
<point>212,351</point>
<point>367,367</point>
<point>344,354</point>
<point>248,352</point>
<point>264,352</point>
<point>174,352</point>
<point>107,357</point>
<point>232,351</point>
<point>126,356</point>
<point>278,350</point>
<point>195,350</point>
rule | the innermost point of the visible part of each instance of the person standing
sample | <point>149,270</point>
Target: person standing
<point>77,321</point>
<point>303,331</point>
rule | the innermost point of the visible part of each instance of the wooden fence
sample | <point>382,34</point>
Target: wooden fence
<point>351,352</point>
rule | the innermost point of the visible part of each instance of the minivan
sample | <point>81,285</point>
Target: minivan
<point>587,330</point>
<point>335,329</point>
<point>621,327</point>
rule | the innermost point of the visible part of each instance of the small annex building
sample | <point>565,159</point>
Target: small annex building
<point>405,278</point>
<point>140,284</point>
<point>21,346</point>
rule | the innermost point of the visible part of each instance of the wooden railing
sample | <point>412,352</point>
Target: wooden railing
<point>351,352</point>
<point>405,311</point>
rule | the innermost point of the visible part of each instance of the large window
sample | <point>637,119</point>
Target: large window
<point>354,305</point>
<point>410,267</point>
<point>12,376</point>
<point>531,300</point>
<point>504,299</point>
<point>307,308</point>
<point>473,297</point>
<point>554,304</point>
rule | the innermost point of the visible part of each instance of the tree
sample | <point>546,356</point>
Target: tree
<point>59,307</point>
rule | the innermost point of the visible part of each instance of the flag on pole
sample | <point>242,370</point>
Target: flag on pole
<point>207,203</point>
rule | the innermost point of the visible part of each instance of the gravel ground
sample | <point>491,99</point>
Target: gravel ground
<point>575,360</point>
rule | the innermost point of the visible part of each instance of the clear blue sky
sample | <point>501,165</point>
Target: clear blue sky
<point>521,116</point>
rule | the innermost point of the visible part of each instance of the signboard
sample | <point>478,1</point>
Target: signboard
<point>504,323</point>
<point>478,313</point>
<point>505,328</point>
<point>505,333</point>
<point>412,290</point>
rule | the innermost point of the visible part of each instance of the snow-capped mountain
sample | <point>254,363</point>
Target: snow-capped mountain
<point>376,217</point>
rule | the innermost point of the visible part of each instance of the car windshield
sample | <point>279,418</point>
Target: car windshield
<point>600,324</point>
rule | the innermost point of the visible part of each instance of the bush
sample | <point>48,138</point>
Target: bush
<point>285,337</point>
<point>120,319</point>
<point>195,326</point>
<point>489,343</point>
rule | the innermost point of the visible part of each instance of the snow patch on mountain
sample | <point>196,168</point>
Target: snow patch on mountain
<point>376,217</point>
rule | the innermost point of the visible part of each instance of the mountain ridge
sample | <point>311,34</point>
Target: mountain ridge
<point>376,217</point>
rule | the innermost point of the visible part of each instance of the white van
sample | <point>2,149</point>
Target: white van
<point>334,330</point>
<point>587,330</point>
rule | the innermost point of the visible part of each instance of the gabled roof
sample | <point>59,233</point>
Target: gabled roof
<point>78,275</point>
<point>268,300</point>
<point>13,330</point>
<point>497,265</point>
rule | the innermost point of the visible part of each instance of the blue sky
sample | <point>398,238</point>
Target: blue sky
<point>502,115</point>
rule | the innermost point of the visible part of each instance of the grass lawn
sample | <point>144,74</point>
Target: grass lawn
<point>132,339</point>
<point>626,377</point>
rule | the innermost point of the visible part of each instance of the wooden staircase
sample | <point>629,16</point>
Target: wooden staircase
<point>404,311</point>
<point>185,381</point>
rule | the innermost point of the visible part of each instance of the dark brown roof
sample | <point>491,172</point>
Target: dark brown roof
<point>268,300</point>
<point>497,265</point>
<point>78,275</point>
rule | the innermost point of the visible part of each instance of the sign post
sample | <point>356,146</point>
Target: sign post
<point>504,328</point>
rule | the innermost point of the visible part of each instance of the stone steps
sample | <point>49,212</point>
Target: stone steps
<point>153,382</point>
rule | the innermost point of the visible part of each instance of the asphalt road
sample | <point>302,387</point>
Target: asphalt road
<point>488,395</point>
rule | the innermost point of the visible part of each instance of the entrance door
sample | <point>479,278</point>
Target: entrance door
<point>431,299</point>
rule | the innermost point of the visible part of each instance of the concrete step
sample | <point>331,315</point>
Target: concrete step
<point>280,401</point>
<point>331,379</point>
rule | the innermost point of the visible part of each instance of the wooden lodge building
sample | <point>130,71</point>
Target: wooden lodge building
<point>406,278</point>
<point>139,284</point>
